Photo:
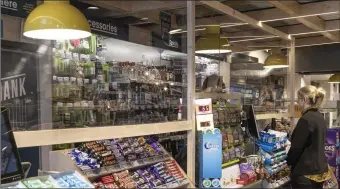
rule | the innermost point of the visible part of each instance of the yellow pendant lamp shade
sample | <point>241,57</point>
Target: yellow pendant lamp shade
<point>334,78</point>
<point>276,60</point>
<point>212,43</point>
<point>56,20</point>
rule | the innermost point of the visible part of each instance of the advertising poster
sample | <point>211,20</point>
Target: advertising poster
<point>19,90</point>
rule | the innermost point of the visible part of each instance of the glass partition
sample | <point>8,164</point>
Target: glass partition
<point>130,71</point>
<point>129,78</point>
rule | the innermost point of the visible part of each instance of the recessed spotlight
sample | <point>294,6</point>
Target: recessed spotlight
<point>92,8</point>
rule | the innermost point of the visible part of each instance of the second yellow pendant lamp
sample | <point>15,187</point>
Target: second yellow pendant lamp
<point>334,78</point>
<point>276,60</point>
<point>56,20</point>
<point>212,43</point>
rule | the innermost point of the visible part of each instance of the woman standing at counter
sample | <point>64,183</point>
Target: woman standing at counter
<point>309,167</point>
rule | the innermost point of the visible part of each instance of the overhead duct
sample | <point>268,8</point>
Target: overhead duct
<point>238,58</point>
<point>244,62</point>
<point>252,73</point>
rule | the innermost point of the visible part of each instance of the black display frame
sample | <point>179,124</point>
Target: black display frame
<point>19,174</point>
<point>251,124</point>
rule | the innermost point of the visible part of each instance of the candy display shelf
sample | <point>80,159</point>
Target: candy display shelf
<point>61,161</point>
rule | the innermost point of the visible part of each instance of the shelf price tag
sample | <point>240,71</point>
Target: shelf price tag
<point>113,168</point>
<point>140,161</point>
<point>125,165</point>
<point>150,159</point>
<point>173,184</point>
<point>96,171</point>
<point>87,172</point>
<point>93,173</point>
<point>103,171</point>
<point>164,186</point>
<point>135,163</point>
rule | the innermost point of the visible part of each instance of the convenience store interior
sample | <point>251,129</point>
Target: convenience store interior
<point>147,101</point>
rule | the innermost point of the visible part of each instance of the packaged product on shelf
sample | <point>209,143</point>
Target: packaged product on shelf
<point>273,140</point>
<point>236,137</point>
<point>230,137</point>
<point>70,179</point>
<point>37,183</point>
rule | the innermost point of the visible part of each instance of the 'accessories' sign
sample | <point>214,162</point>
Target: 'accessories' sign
<point>19,8</point>
<point>102,27</point>
<point>109,28</point>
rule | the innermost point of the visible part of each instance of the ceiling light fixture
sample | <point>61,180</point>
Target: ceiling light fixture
<point>184,31</point>
<point>317,44</point>
<point>145,18</point>
<point>276,60</point>
<point>306,33</point>
<point>259,38</point>
<point>265,46</point>
<point>212,43</point>
<point>229,26</point>
<point>175,31</point>
<point>249,36</point>
<point>93,8</point>
<point>302,16</point>
<point>334,78</point>
<point>56,20</point>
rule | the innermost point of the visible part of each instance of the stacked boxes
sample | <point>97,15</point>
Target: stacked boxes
<point>332,151</point>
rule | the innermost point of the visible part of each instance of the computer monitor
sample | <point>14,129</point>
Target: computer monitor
<point>251,124</point>
<point>11,169</point>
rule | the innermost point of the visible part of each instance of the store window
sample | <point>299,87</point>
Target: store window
<point>126,82</point>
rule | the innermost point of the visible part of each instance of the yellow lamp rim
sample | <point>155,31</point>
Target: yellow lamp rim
<point>213,51</point>
<point>276,66</point>
<point>57,34</point>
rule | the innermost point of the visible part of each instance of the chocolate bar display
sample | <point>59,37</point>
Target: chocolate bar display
<point>155,176</point>
<point>97,154</point>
